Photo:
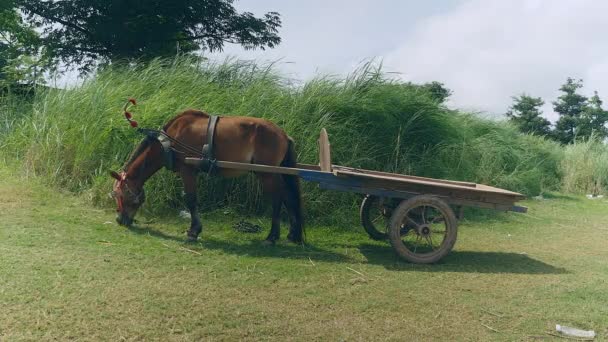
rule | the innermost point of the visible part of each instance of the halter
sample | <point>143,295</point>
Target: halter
<point>118,191</point>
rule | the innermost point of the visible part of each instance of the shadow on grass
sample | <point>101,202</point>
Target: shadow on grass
<point>254,248</point>
<point>376,254</point>
<point>555,195</point>
<point>463,261</point>
<point>281,250</point>
<point>146,230</point>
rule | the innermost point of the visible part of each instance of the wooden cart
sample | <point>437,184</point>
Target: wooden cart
<point>416,214</point>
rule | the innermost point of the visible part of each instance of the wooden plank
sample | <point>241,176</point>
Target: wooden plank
<point>371,186</point>
<point>396,175</point>
<point>324,151</point>
<point>406,194</point>
<point>249,167</point>
<point>469,194</point>
<point>391,181</point>
<point>308,167</point>
<point>378,186</point>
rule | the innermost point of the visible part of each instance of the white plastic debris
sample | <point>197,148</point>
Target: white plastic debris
<point>591,196</point>
<point>573,332</point>
<point>185,214</point>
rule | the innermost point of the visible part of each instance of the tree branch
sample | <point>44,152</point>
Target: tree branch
<point>58,20</point>
<point>92,50</point>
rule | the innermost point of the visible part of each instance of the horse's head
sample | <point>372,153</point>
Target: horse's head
<point>129,197</point>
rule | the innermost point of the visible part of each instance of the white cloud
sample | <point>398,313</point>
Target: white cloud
<point>321,36</point>
<point>488,51</point>
<point>484,50</point>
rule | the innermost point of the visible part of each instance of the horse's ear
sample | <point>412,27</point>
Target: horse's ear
<point>115,174</point>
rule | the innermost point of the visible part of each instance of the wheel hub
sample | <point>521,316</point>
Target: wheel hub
<point>424,230</point>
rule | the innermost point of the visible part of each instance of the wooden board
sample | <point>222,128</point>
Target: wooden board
<point>397,181</point>
<point>363,181</point>
<point>324,152</point>
<point>248,167</point>
<point>407,177</point>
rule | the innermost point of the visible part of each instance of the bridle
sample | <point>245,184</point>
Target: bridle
<point>120,188</point>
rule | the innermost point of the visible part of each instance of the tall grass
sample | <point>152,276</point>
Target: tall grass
<point>73,137</point>
<point>585,167</point>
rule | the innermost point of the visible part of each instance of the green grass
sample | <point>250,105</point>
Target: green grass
<point>68,274</point>
<point>74,137</point>
<point>585,167</point>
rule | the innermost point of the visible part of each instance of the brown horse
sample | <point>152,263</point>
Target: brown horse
<point>237,139</point>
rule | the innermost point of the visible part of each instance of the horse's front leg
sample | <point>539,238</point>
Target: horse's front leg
<point>189,177</point>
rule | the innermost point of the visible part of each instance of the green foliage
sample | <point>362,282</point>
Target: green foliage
<point>569,106</point>
<point>580,117</point>
<point>437,91</point>
<point>87,32</point>
<point>19,46</point>
<point>593,120</point>
<point>73,137</point>
<point>525,113</point>
<point>585,167</point>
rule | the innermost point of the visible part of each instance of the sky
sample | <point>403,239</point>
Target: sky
<point>486,51</point>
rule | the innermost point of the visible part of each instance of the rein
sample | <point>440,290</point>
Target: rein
<point>155,133</point>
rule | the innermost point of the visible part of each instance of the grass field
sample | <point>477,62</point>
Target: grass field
<point>66,273</point>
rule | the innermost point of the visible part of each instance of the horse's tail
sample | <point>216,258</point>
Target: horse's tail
<point>294,196</point>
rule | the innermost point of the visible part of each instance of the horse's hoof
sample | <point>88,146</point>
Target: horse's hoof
<point>269,242</point>
<point>296,241</point>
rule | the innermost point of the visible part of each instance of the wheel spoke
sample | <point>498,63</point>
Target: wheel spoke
<point>411,220</point>
<point>438,219</point>
<point>430,242</point>
<point>423,214</point>
<point>416,246</point>
<point>378,218</point>
<point>423,226</point>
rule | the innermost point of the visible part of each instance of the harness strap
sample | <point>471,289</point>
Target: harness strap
<point>209,162</point>
<point>208,156</point>
<point>168,154</point>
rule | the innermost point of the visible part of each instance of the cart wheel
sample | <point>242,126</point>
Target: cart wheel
<point>423,229</point>
<point>375,216</point>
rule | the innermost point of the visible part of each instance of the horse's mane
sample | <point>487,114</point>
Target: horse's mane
<point>187,112</point>
<point>136,153</point>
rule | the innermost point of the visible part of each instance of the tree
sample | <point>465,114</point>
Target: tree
<point>88,32</point>
<point>20,61</point>
<point>437,91</point>
<point>569,106</point>
<point>593,119</point>
<point>525,113</point>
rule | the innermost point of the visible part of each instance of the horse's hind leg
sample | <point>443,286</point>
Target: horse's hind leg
<point>270,185</point>
<point>189,177</point>
<point>291,198</point>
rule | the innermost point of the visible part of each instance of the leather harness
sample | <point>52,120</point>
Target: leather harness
<point>208,160</point>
